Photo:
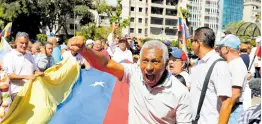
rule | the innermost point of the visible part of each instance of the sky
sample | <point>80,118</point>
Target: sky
<point>111,2</point>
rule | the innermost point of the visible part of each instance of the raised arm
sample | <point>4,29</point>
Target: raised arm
<point>96,59</point>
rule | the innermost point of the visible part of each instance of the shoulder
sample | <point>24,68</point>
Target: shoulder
<point>131,68</point>
<point>178,89</point>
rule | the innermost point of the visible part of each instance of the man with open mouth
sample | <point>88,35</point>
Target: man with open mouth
<point>155,96</point>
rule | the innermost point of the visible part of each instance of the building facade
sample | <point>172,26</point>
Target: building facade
<point>232,11</point>
<point>206,13</point>
<point>151,18</point>
<point>252,10</point>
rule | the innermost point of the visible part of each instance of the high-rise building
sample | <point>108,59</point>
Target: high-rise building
<point>151,18</point>
<point>252,10</point>
<point>232,11</point>
<point>205,13</point>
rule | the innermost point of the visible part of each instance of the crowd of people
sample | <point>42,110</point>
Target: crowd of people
<point>166,85</point>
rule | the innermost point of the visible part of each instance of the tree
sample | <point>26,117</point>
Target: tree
<point>33,15</point>
<point>115,16</point>
<point>41,38</point>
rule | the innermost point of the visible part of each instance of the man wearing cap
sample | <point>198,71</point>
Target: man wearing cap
<point>121,53</point>
<point>229,50</point>
<point>244,53</point>
<point>177,64</point>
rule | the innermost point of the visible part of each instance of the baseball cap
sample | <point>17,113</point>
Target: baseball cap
<point>178,53</point>
<point>231,41</point>
<point>88,42</point>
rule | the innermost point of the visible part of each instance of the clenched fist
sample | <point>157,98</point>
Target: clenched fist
<point>76,44</point>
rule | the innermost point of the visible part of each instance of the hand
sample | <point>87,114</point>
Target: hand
<point>30,77</point>
<point>39,73</point>
<point>248,75</point>
<point>115,26</point>
<point>57,66</point>
<point>76,44</point>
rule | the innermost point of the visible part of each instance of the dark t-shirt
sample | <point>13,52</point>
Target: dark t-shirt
<point>246,59</point>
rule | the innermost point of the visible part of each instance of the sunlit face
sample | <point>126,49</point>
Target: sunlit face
<point>152,65</point>
<point>175,65</point>
<point>195,46</point>
<point>122,44</point>
<point>49,49</point>
<point>21,44</point>
<point>98,45</point>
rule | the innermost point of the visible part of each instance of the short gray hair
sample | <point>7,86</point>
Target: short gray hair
<point>22,34</point>
<point>156,44</point>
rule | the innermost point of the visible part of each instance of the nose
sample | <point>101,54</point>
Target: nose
<point>149,67</point>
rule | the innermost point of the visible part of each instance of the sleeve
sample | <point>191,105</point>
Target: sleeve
<point>129,70</point>
<point>8,64</point>
<point>110,39</point>
<point>221,78</point>
<point>42,63</point>
<point>130,58</point>
<point>184,113</point>
<point>34,64</point>
<point>238,77</point>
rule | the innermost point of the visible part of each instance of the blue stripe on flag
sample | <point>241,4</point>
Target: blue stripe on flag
<point>88,101</point>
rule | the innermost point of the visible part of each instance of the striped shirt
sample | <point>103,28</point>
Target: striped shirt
<point>250,115</point>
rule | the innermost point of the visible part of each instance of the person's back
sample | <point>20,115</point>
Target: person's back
<point>245,58</point>
<point>216,104</point>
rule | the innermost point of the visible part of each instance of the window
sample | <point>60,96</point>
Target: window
<point>132,19</point>
<point>131,30</point>
<point>139,31</point>
<point>71,26</point>
<point>140,20</point>
<point>140,9</point>
<point>132,8</point>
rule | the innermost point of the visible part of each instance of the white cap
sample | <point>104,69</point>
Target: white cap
<point>88,42</point>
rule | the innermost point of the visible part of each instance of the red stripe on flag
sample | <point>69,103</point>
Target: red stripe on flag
<point>117,112</point>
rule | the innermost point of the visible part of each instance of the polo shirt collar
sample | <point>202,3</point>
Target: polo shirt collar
<point>18,53</point>
<point>208,55</point>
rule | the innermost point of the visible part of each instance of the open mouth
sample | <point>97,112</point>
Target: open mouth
<point>150,77</point>
<point>171,66</point>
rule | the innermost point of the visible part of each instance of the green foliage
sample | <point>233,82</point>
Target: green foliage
<point>174,43</point>
<point>49,12</point>
<point>185,13</point>
<point>41,38</point>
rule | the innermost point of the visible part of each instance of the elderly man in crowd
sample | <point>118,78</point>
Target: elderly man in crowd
<point>20,65</point>
<point>229,50</point>
<point>216,107</point>
<point>45,60</point>
<point>155,96</point>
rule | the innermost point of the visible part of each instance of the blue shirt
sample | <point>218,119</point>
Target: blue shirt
<point>57,54</point>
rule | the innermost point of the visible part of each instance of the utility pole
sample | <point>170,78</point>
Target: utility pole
<point>74,18</point>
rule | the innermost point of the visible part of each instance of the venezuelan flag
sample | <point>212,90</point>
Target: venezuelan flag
<point>4,48</point>
<point>70,95</point>
<point>182,27</point>
<point>7,30</point>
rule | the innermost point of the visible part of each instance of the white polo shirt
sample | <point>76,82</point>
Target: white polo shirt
<point>19,64</point>
<point>238,71</point>
<point>219,85</point>
<point>120,55</point>
<point>148,106</point>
